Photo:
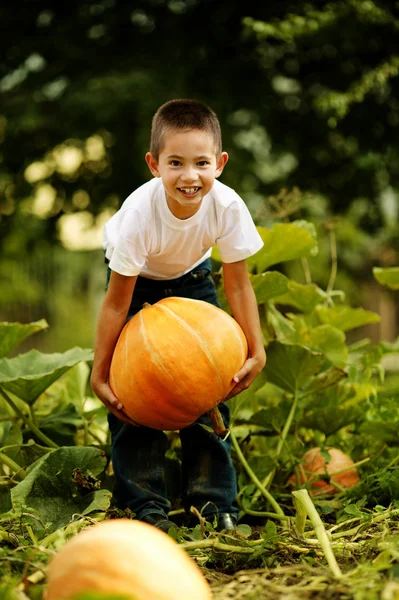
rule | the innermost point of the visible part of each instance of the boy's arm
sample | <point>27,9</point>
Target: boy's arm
<point>242,301</point>
<point>110,322</point>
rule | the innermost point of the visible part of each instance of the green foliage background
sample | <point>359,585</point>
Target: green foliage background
<point>307,98</point>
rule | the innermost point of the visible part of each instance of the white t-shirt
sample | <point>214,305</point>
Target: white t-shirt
<point>144,238</point>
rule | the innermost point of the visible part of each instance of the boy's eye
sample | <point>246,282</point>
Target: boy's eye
<point>203,163</point>
<point>175,163</point>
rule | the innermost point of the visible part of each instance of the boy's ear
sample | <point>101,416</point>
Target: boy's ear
<point>153,164</point>
<point>222,160</point>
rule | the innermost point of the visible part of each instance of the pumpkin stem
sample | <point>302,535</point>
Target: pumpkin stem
<point>217,422</point>
<point>145,304</point>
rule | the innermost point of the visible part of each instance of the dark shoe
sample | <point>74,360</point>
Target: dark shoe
<point>226,522</point>
<point>159,521</point>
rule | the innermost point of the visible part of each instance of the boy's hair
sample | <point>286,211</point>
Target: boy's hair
<point>181,115</point>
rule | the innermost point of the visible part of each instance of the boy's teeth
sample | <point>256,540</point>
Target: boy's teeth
<point>189,190</point>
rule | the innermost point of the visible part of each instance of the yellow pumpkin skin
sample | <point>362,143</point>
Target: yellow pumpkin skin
<point>125,557</point>
<point>175,360</point>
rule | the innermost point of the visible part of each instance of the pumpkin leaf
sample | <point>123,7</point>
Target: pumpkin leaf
<point>324,338</point>
<point>61,424</point>
<point>70,387</point>
<point>11,334</point>
<point>262,465</point>
<point>267,419</point>
<point>29,375</point>
<point>327,416</point>
<point>291,366</point>
<point>284,241</point>
<point>331,342</point>
<point>50,490</point>
<point>283,327</point>
<point>388,277</point>
<point>345,317</point>
<point>270,284</point>
<point>325,379</point>
<point>304,297</point>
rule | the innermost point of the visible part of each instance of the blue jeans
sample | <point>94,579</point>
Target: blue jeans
<point>138,453</point>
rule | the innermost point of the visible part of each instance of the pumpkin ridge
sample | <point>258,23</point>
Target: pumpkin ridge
<point>202,343</point>
<point>228,318</point>
<point>181,413</point>
<point>152,354</point>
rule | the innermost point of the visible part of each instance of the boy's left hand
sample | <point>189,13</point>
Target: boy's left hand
<point>245,376</point>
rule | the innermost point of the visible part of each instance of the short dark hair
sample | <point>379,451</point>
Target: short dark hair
<point>180,115</point>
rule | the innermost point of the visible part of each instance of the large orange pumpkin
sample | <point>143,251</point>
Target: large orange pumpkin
<point>175,360</point>
<point>313,465</point>
<point>127,558</point>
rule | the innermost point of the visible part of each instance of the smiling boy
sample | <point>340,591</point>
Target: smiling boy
<point>159,244</point>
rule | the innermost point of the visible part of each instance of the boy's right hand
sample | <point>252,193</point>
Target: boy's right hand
<point>104,392</point>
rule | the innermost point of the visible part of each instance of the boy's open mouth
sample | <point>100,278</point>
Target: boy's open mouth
<point>189,191</point>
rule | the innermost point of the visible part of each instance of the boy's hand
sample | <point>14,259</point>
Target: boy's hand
<point>105,394</point>
<point>245,376</point>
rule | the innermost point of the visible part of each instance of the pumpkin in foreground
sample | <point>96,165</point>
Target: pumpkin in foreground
<point>314,464</point>
<point>125,557</point>
<point>175,360</point>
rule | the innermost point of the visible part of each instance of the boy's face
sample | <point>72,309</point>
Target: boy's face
<point>188,167</point>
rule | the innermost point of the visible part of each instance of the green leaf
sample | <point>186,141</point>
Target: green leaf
<point>388,277</point>
<point>331,342</point>
<point>11,441</point>
<point>283,327</point>
<point>29,375</point>
<point>345,317</point>
<point>71,386</point>
<point>270,284</point>
<point>285,241</point>
<point>324,338</point>
<point>49,486</point>
<point>61,424</point>
<point>325,379</point>
<point>331,409</point>
<point>26,454</point>
<point>262,465</point>
<point>304,297</point>
<point>245,397</point>
<point>265,418</point>
<point>11,334</point>
<point>291,367</point>
<point>329,418</point>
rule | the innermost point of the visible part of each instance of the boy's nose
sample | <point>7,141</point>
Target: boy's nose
<point>189,175</point>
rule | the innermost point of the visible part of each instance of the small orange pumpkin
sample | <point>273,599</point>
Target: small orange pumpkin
<point>175,360</point>
<point>314,464</point>
<point>128,558</point>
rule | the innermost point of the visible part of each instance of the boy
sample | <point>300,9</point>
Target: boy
<point>159,244</point>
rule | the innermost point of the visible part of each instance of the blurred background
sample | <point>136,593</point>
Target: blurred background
<point>308,99</point>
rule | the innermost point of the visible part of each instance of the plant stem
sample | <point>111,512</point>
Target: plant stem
<point>261,513</point>
<point>217,422</point>
<point>304,505</point>
<point>306,270</point>
<point>27,420</point>
<point>334,262</point>
<point>71,529</point>
<point>350,467</point>
<point>253,477</point>
<point>12,465</point>
<point>214,543</point>
<point>178,511</point>
<point>269,477</point>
